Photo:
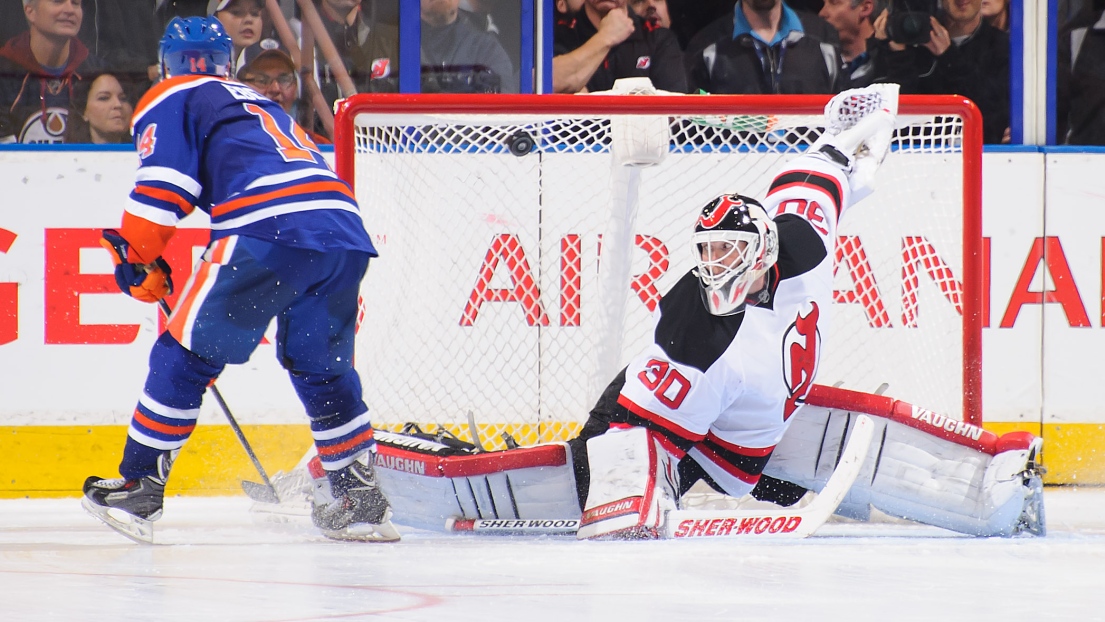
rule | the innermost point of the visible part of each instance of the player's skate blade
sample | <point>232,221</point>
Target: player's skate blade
<point>138,529</point>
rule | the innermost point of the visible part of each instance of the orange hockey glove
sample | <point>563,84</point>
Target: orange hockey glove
<point>146,282</point>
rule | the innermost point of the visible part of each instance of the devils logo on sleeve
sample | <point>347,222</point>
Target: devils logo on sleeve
<point>801,350</point>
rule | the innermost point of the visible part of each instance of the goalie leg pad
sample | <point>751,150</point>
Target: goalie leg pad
<point>634,482</point>
<point>979,484</point>
<point>428,483</point>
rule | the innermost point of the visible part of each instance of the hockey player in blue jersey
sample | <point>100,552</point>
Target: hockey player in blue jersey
<point>287,241</point>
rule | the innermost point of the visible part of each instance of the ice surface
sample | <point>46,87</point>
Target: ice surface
<point>216,562</point>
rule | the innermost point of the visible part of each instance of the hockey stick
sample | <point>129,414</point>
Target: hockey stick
<point>268,493</point>
<point>781,523</point>
<point>507,527</point>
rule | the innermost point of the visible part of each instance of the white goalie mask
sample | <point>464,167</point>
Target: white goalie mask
<point>735,243</point>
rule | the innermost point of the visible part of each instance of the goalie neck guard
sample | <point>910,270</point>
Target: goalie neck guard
<point>734,243</point>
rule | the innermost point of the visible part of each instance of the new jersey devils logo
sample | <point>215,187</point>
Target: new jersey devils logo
<point>381,68</point>
<point>801,351</point>
<point>714,214</point>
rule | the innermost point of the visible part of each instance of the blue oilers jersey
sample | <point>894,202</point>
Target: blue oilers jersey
<point>218,145</point>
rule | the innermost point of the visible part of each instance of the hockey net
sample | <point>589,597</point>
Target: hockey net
<point>489,302</point>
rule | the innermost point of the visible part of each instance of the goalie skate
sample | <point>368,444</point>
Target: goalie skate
<point>1033,518</point>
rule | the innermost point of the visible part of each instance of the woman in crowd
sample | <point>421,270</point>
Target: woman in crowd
<point>996,13</point>
<point>101,112</point>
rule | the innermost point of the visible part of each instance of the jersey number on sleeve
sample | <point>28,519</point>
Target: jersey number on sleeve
<point>810,210</point>
<point>659,377</point>
<point>295,148</point>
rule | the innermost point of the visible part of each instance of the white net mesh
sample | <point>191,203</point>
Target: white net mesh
<point>488,295</point>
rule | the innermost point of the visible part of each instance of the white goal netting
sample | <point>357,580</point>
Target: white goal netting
<point>489,296</point>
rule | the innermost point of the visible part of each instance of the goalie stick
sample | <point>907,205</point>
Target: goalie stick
<point>514,526</point>
<point>782,523</point>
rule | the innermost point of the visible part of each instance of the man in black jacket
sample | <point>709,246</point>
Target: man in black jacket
<point>764,46</point>
<point>605,41</point>
<point>1080,110</point>
<point>964,55</point>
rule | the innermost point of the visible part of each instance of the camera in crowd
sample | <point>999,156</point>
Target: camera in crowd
<point>909,22</point>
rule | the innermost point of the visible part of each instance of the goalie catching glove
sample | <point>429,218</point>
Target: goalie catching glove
<point>859,127</point>
<point>148,282</point>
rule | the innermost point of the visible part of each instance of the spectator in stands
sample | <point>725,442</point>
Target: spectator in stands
<point>568,7</point>
<point>605,41</point>
<point>38,70</point>
<point>242,21</point>
<point>100,112</point>
<point>369,49</point>
<point>655,11</point>
<point>125,34</point>
<point>764,46</point>
<point>459,58</point>
<point>273,74</point>
<point>996,13</point>
<point>963,55</point>
<point>688,17</point>
<point>501,18</point>
<point>853,22</point>
<point>1080,110</point>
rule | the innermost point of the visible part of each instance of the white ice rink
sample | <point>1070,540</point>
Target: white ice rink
<point>215,563</point>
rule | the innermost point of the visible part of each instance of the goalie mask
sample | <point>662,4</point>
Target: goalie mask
<point>735,243</point>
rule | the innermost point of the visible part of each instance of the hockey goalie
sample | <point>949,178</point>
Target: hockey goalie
<point>725,395</point>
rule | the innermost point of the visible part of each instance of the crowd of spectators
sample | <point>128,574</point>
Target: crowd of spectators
<point>69,69</point>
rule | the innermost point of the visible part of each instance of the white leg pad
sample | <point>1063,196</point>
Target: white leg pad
<point>633,484</point>
<point>426,488</point>
<point>921,467</point>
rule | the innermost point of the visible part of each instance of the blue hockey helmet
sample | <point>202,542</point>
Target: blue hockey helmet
<point>194,45</point>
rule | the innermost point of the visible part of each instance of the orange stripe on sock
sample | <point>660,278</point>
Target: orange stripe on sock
<point>163,428</point>
<point>332,450</point>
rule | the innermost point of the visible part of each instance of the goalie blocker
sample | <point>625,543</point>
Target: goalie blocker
<point>921,466</point>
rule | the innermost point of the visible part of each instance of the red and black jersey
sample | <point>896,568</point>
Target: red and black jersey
<point>722,389</point>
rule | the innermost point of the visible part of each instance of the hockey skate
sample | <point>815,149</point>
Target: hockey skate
<point>1033,519</point>
<point>129,506</point>
<point>353,507</point>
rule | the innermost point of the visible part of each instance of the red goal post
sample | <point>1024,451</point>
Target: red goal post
<point>488,297</point>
